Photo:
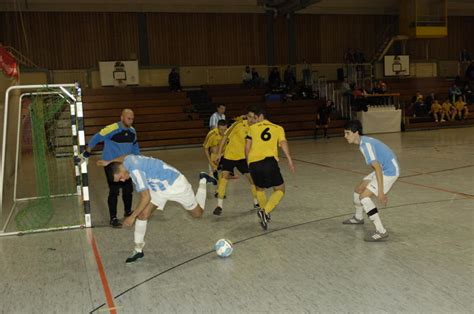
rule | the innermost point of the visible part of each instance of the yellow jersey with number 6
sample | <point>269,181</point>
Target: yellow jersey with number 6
<point>266,137</point>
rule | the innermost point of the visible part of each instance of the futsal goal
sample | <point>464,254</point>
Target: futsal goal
<point>42,187</point>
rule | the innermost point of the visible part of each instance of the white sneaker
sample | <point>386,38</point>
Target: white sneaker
<point>353,221</point>
<point>376,236</point>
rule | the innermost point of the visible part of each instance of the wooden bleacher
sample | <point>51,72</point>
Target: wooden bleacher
<point>296,116</point>
<point>161,118</point>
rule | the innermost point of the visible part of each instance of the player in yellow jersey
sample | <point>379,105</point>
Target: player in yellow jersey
<point>448,110</point>
<point>461,108</point>
<point>211,146</point>
<point>231,155</point>
<point>261,150</point>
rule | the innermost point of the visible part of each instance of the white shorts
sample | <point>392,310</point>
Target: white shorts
<point>373,186</point>
<point>181,192</point>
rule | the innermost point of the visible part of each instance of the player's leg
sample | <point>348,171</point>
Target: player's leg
<point>140,231</point>
<point>371,209</point>
<point>227,167</point>
<point>358,217</point>
<point>127,197</point>
<point>243,167</point>
<point>267,174</point>
<point>114,190</point>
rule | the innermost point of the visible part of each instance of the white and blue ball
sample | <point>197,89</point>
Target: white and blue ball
<point>223,248</point>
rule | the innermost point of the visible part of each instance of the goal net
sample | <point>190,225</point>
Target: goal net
<point>47,191</point>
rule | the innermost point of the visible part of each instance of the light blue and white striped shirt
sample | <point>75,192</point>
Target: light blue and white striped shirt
<point>150,173</point>
<point>214,119</point>
<point>375,150</point>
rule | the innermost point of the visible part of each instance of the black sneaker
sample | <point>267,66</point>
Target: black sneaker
<point>256,206</point>
<point>217,211</point>
<point>216,195</point>
<point>268,217</point>
<point>133,258</point>
<point>127,214</point>
<point>115,223</point>
<point>263,219</point>
<point>208,178</point>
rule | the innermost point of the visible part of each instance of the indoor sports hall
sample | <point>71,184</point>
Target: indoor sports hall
<point>82,82</point>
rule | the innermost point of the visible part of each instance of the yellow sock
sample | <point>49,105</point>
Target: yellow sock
<point>254,193</point>
<point>262,198</point>
<point>221,187</point>
<point>273,201</point>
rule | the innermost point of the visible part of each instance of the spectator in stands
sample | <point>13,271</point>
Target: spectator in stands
<point>429,101</point>
<point>289,78</point>
<point>306,69</point>
<point>359,56</point>
<point>454,92</point>
<point>465,56</point>
<point>346,89</point>
<point>174,81</point>
<point>419,108</point>
<point>256,80</point>
<point>470,72</point>
<point>380,87</point>
<point>467,93</point>
<point>247,77</point>
<point>216,116</point>
<point>323,118</point>
<point>348,57</point>
<point>449,111</point>
<point>274,79</point>
<point>437,110</point>
<point>461,108</point>
<point>359,97</point>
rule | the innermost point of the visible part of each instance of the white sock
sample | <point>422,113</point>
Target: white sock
<point>220,202</point>
<point>358,206</point>
<point>139,235</point>
<point>372,212</point>
<point>201,193</point>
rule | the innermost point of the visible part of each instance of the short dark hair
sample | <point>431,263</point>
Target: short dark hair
<point>354,126</point>
<point>257,110</point>
<point>220,105</point>
<point>114,167</point>
<point>222,122</point>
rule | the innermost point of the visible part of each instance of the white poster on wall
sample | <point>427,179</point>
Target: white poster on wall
<point>396,65</point>
<point>119,73</point>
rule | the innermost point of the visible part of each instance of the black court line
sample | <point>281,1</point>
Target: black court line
<point>265,233</point>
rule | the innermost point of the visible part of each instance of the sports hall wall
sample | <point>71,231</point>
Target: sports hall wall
<point>78,40</point>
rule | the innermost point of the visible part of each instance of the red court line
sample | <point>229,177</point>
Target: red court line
<point>415,184</point>
<point>100,268</point>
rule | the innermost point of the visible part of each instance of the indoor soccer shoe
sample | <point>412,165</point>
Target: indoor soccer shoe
<point>263,219</point>
<point>376,236</point>
<point>217,211</point>
<point>208,178</point>
<point>135,255</point>
<point>353,221</point>
<point>115,223</point>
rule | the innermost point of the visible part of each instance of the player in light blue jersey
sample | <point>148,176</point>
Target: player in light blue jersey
<point>386,171</point>
<point>157,182</point>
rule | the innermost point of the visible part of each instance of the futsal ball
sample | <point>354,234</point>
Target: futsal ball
<point>223,248</point>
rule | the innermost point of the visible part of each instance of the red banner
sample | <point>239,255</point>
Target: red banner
<point>8,63</point>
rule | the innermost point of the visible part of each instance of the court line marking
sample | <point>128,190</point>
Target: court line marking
<point>466,195</point>
<point>100,269</point>
<point>437,171</point>
<point>264,233</point>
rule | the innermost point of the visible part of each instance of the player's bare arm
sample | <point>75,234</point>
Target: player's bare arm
<point>286,150</point>
<point>145,200</point>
